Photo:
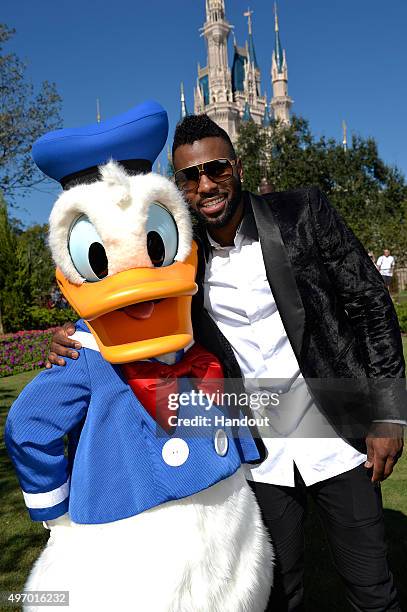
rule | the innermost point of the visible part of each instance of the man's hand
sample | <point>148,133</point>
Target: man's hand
<point>61,345</point>
<point>384,448</point>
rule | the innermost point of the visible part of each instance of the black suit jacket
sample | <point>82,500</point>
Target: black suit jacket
<point>337,313</point>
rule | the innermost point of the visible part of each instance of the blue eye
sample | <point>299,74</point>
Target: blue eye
<point>87,251</point>
<point>162,236</point>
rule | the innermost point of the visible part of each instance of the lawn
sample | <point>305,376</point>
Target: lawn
<point>21,540</point>
<point>401,296</point>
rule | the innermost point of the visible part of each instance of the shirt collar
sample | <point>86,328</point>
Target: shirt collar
<point>246,229</point>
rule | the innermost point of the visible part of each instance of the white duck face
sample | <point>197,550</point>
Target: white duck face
<point>123,250</point>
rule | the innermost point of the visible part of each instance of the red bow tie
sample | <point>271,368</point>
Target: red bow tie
<point>152,382</point>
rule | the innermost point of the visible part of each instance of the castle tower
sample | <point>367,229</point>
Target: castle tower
<point>213,92</point>
<point>227,95</point>
<point>280,102</point>
<point>216,31</point>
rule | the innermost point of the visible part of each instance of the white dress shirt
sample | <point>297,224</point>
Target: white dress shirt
<point>239,299</point>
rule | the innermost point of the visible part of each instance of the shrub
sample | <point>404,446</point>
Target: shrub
<point>401,310</point>
<point>37,317</point>
<point>44,318</point>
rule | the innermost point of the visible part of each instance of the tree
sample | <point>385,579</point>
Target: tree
<point>371,195</point>
<point>27,273</point>
<point>7,252</point>
<point>38,262</point>
<point>24,117</point>
<point>252,147</point>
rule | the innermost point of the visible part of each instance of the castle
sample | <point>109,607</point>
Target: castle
<point>230,96</point>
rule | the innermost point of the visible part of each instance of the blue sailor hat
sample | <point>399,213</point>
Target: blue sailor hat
<point>134,139</point>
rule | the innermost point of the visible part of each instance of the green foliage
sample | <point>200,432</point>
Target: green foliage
<point>24,117</point>
<point>35,317</point>
<point>7,244</point>
<point>26,278</point>
<point>370,195</point>
<point>251,145</point>
<point>43,318</point>
<point>401,310</point>
<point>38,262</point>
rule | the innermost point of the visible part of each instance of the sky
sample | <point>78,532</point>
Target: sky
<point>346,61</point>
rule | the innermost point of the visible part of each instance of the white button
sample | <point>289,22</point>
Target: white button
<point>175,452</point>
<point>221,443</point>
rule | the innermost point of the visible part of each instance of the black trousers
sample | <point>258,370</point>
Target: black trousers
<point>350,507</point>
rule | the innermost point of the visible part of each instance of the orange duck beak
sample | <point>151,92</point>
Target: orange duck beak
<point>138,313</point>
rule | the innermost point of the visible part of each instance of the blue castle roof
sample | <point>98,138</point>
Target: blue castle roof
<point>204,85</point>
<point>252,52</point>
<point>238,71</point>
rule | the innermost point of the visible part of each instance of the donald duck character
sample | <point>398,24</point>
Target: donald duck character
<point>144,513</point>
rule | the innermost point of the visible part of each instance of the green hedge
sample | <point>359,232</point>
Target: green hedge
<point>44,318</point>
<point>37,317</point>
<point>401,310</point>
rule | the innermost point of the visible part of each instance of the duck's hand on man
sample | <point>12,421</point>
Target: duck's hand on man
<point>63,346</point>
<point>384,448</point>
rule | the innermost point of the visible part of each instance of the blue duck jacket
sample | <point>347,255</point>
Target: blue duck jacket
<point>115,462</point>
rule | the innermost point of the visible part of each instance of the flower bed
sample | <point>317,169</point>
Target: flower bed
<point>24,350</point>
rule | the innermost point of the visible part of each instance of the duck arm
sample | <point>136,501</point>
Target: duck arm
<point>50,407</point>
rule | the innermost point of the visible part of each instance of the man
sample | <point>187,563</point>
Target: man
<point>265,187</point>
<point>385,265</point>
<point>286,289</point>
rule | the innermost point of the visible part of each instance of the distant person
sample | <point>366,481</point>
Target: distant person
<point>385,265</point>
<point>265,186</point>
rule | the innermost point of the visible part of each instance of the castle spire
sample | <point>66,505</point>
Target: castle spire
<point>249,14</point>
<point>281,102</point>
<point>252,52</point>
<point>345,135</point>
<point>184,110</point>
<point>277,46</point>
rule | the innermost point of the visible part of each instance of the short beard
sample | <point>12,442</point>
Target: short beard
<point>226,216</point>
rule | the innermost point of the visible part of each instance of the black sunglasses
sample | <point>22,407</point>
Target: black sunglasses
<point>217,170</point>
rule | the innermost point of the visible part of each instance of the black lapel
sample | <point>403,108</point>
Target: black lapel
<point>279,272</point>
